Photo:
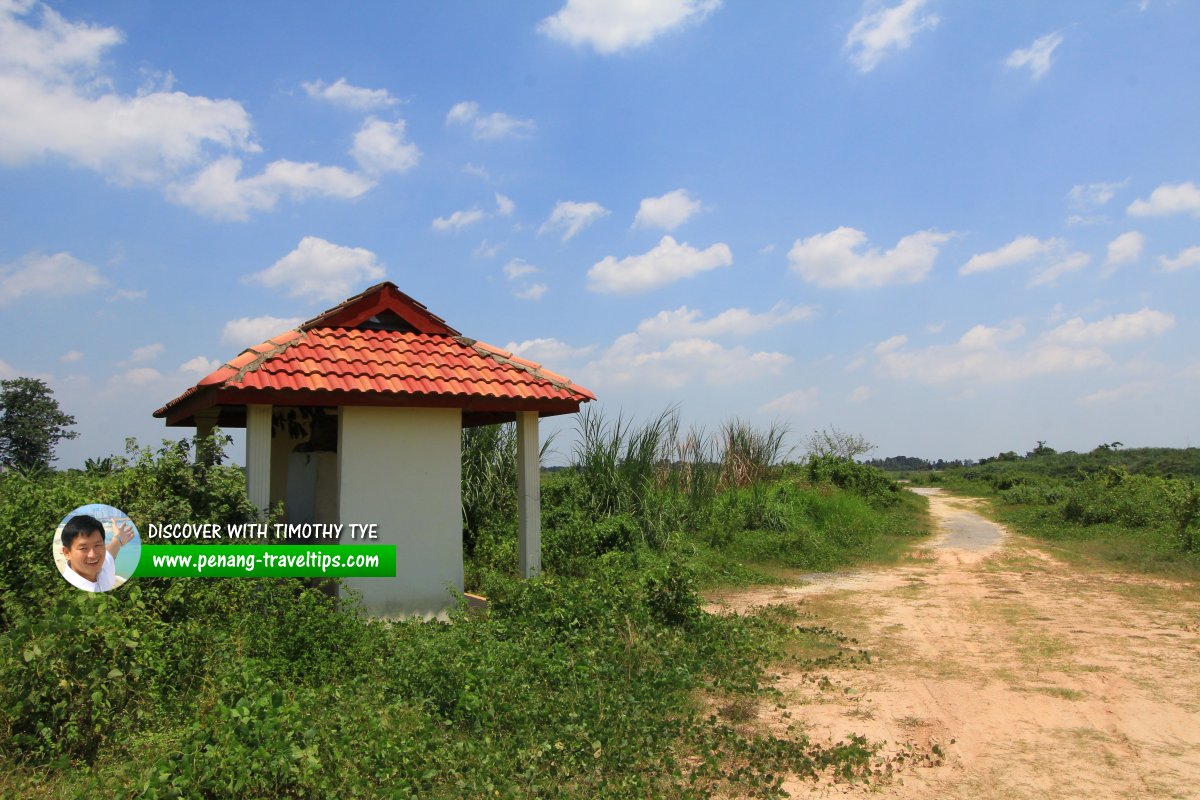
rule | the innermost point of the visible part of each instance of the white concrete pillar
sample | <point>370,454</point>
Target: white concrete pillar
<point>529,495</point>
<point>258,456</point>
<point>206,420</point>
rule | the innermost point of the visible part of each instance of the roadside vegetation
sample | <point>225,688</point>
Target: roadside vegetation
<point>1131,508</point>
<point>603,677</point>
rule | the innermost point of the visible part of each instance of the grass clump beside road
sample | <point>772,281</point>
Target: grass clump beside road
<point>1134,509</point>
<point>603,677</point>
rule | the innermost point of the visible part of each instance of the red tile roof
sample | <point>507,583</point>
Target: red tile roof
<point>340,358</point>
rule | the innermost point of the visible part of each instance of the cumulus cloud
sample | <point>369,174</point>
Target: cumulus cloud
<point>1019,250</point>
<point>832,260</point>
<point>380,147</point>
<point>458,220</point>
<point>147,352</point>
<point>668,262</point>
<point>55,104</point>
<point>880,33</point>
<point>1005,353</point>
<point>127,294</point>
<point>1116,393</point>
<point>860,394</point>
<point>1189,257</point>
<point>687,322</point>
<point>321,270</point>
<point>71,356</point>
<point>1036,57</point>
<point>218,191</point>
<point>517,268</point>
<point>201,366</point>
<point>667,212</point>
<point>609,27</point>
<point>800,401</point>
<point>341,93</point>
<point>1048,276</point>
<point>38,274</point>
<point>548,351</point>
<point>1115,329</point>
<point>1086,195</point>
<point>249,331</point>
<point>496,125</point>
<point>504,205</point>
<point>533,291</point>
<point>1180,198</point>
<point>1125,249</point>
<point>632,359</point>
<point>571,217</point>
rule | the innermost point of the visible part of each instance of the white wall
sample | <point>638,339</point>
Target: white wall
<point>401,468</point>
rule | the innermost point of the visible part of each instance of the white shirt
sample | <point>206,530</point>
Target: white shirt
<point>104,581</point>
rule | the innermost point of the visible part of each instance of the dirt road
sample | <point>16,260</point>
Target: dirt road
<point>998,671</point>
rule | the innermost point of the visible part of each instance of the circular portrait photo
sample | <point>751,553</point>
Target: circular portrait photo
<point>97,547</point>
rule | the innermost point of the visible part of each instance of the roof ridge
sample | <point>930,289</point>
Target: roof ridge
<point>508,359</point>
<point>264,355</point>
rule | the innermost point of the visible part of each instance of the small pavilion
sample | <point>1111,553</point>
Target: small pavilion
<point>356,416</point>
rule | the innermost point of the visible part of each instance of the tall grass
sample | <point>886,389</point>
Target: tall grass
<point>748,453</point>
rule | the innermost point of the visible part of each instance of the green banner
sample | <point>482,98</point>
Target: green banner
<point>267,561</point>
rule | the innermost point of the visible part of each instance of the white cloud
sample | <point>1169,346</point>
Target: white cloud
<point>127,294</point>
<point>684,322</point>
<point>532,292</point>
<point>860,394</point>
<point>1019,250</point>
<point>1186,258</point>
<point>609,27</point>
<point>571,217</point>
<point>6,370</point>
<point>145,353</point>
<point>219,192</point>
<point>879,33</point>
<point>458,220</point>
<point>982,355</point>
<point>71,356</point>
<point>136,377</point>
<point>486,250</point>
<point>504,205</point>
<point>516,268</point>
<point>343,94</point>
<point>1037,56</point>
<point>667,212</point>
<point>800,401</point>
<point>633,360</point>
<point>548,351</point>
<point>1116,393</point>
<point>1004,353</point>
<point>249,331</point>
<point>1049,275</point>
<point>201,366</point>
<point>54,103</point>
<point>321,270</point>
<point>1180,198</point>
<point>477,171</point>
<point>496,125</point>
<point>37,274</point>
<point>1085,195</point>
<point>1125,249</point>
<point>380,147</point>
<point>830,259</point>
<point>892,343</point>
<point>668,262</point>
<point>1116,329</point>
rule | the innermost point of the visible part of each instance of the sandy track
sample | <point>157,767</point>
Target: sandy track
<point>998,671</point>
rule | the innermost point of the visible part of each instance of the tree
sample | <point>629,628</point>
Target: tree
<point>836,443</point>
<point>31,423</point>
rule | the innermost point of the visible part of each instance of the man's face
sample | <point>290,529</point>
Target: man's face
<point>86,554</point>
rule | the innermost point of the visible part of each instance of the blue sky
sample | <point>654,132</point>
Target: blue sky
<point>955,228</point>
